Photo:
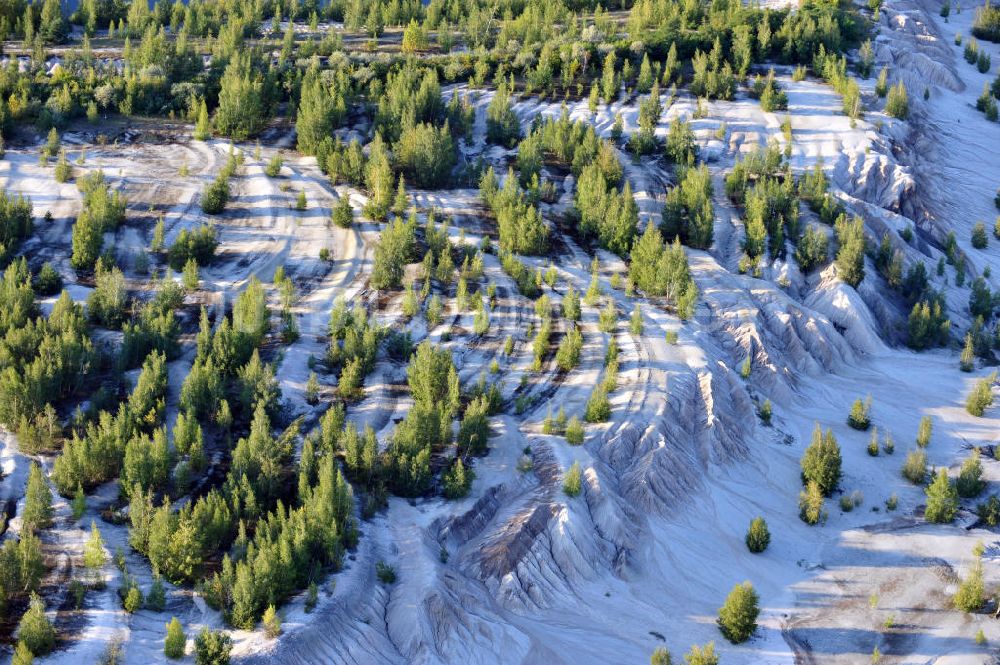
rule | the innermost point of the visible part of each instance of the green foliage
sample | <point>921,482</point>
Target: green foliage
<point>37,512</point>
<point>197,244</point>
<point>738,615</point>
<point>811,504</point>
<point>915,467</point>
<point>568,354</point>
<point>821,461</point>
<point>897,104</point>
<point>860,415</point>
<point>970,483</point>
<point>574,431</point>
<point>688,213</point>
<point>215,196</point>
<point>660,656</point>
<point>322,107</point>
<point>395,248</point>
<point>243,109</point>
<point>521,226</point>
<point>426,155</point>
<point>606,213</point>
<point>502,125</point>
<point>928,325</point>
<point>702,655</point>
<point>572,481</point>
<point>989,512</point>
<point>272,622</point>
<point>35,630</point>
<point>212,647</point>
<point>457,481</point>
<point>156,599</point>
<point>851,254</point>
<point>386,574</point>
<point>175,642</point>
<point>986,24</point>
<point>981,396</point>
<point>343,213</point>
<point>22,655</point>
<point>79,502</point>
<point>660,269</point>
<point>979,238</point>
<point>970,595</point>
<point>48,282</point>
<point>942,499</point>
<point>758,536</point>
<point>598,409</point>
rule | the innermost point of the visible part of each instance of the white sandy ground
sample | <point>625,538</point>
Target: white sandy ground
<point>652,546</point>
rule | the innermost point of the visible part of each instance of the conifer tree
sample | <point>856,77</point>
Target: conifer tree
<point>942,499</point>
<point>738,615</point>
<point>37,512</point>
<point>970,594</point>
<point>758,536</point>
<point>175,641</point>
<point>35,630</point>
<point>821,461</point>
<point>811,504</point>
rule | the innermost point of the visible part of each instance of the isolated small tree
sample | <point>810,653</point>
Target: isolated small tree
<point>574,431</point>
<point>967,361</point>
<point>635,324</point>
<point>873,443</point>
<point>981,396</point>
<point>979,238</point>
<point>860,416</point>
<point>765,412</point>
<point>924,431</point>
<point>312,389</point>
<point>811,504</point>
<point>273,168</point>
<point>970,594</point>
<point>758,536</point>
<point>572,481</point>
<point>821,461</point>
<point>94,556</point>
<point>175,641</point>
<point>738,615</point>
<point>898,104</point>
<point>300,200</point>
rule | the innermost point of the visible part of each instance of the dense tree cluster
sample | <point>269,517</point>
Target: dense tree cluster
<point>44,359</point>
<point>661,269</point>
<point>688,213</point>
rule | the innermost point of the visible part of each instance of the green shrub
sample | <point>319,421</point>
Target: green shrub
<point>758,536</point>
<point>572,481</point>
<point>738,615</point>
